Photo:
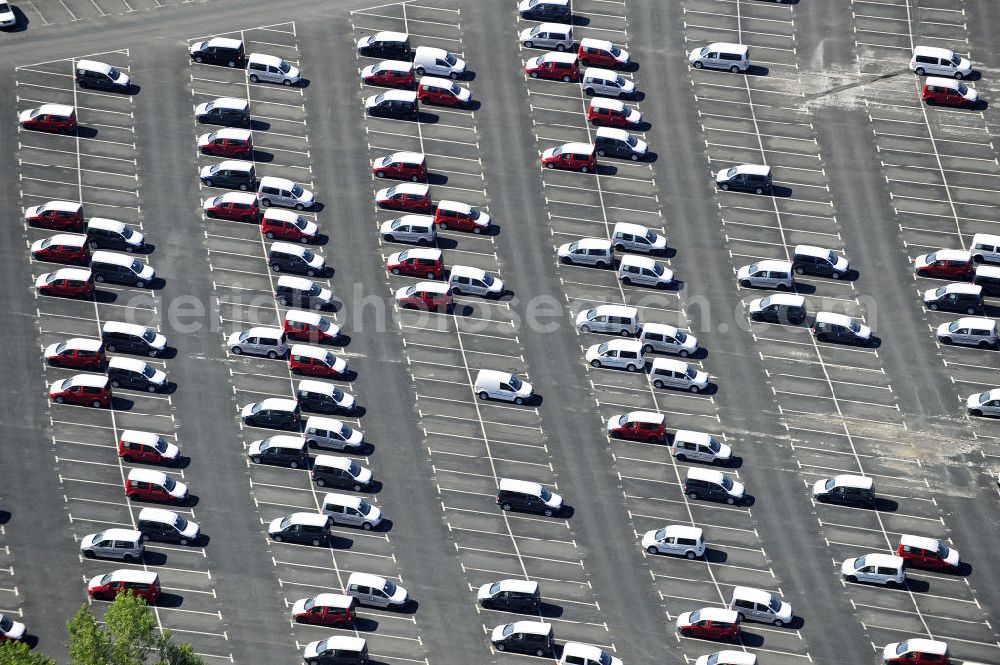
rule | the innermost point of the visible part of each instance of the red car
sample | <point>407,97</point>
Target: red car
<point>49,118</point>
<point>239,206</point>
<point>67,282</point>
<point>713,623</point>
<point>571,156</point>
<point>227,142</point>
<point>928,553</point>
<point>413,196</point>
<point>948,92</point>
<point>310,327</point>
<point>612,113</point>
<point>326,609</point>
<point>639,426</point>
<point>554,66</point>
<point>602,53</point>
<point>287,225</point>
<point>433,90</point>
<point>77,353</point>
<point>315,361</point>
<point>62,248</point>
<point>426,296</point>
<point>136,446</point>
<point>150,485</point>
<point>58,215</point>
<point>401,166</point>
<point>418,262</point>
<point>142,583</point>
<point>945,263</point>
<point>461,217</point>
<point>84,389</point>
<point>389,73</point>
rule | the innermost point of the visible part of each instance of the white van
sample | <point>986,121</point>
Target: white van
<point>936,61</point>
<point>637,238</point>
<point>578,653</point>
<point>548,35</point>
<point>875,568</point>
<point>351,511</point>
<point>667,339</point>
<point>614,319</point>
<point>721,55</point>
<point>272,69</point>
<point>597,81</point>
<point>410,228</point>
<point>333,434</point>
<point>644,271</point>
<point>587,252</point>
<point>492,384</point>
<point>767,274</point>
<point>686,541</point>
<point>283,192</point>
<point>699,446</point>
<point>465,279</point>
<point>376,591</point>
<point>124,544</point>
<point>969,331</point>
<point>759,605</point>
<point>670,373</point>
<point>437,62</point>
<point>985,248</point>
<point>623,354</point>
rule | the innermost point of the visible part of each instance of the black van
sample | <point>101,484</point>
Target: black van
<point>228,111</point>
<point>385,44</point>
<point>219,51</point>
<point>393,104</point>
<point>131,338</point>
<point>528,497</point>
<point>286,257</point>
<point>308,528</point>
<point>531,637</point>
<point>340,473</point>
<point>94,74</point>
<point>846,490</point>
<point>120,269</point>
<point>166,526</point>
<point>232,173</point>
<point>511,595</point>
<point>110,234</point>
<point>988,277</point>
<point>299,292</point>
<point>320,397</point>
<point>135,374</point>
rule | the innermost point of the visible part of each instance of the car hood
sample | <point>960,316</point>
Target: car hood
<point>660,242</point>
<point>563,248</point>
<point>325,295</point>
<point>694,54</point>
<point>400,596</point>
<point>623,56</point>
<point>592,353</point>
<point>649,538</point>
<point>369,70</point>
<point>640,147</point>
<point>382,194</point>
<point>24,115</point>
<point>159,342</point>
<point>294,72</point>
<point>548,153</point>
<point>720,176</point>
<point>171,452</point>
<point>754,305</point>
<point>683,619</point>
<point>307,197</point>
<point>847,567</point>
<point>339,365</point>
<point>785,612</point>
<point>725,451</point>
<point>864,333</point>
<point>317,262</point>
<point>123,80</point>
<point>929,295</point>
<point>275,525</point>
<point>972,401</point>
<point>94,582</point>
<point>203,139</point>
<point>87,541</point>
<point>842,264</point>
<point>375,515</point>
<point>965,66</point>
<point>889,651</point>
<point>700,378</point>
<point>386,226</point>
<point>312,228</point>
<point>484,219</point>
<point>8,18</point>
<point>300,606</point>
<point>920,261</point>
<point>247,410</point>
<point>37,245</point>
<point>819,487</point>
<point>42,279</point>
<point>365,477</point>
<point>690,343</point>
<point>31,211</point>
<point>743,272</point>
<point>464,94</point>
<point>526,389</point>
<point>401,292</point>
<point>484,591</point>
<point>629,87</point>
<point>57,386</point>
<point>555,501</point>
<point>312,650</point>
<point>497,286</point>
<point>255,447</point>
<point>180,490</point>
<point>50,350</point>
<point>581,317</point>
<point>459,65</point>
<point>738,488</point>
<point>496,635</point>
<point>137,239</point>
<point>147,273</point>
<point>953,558</point>
<point>197,46</point>
<point>972,95</point>
<point>191,531</point>
<point>201,109</point>
<point>356,437</point>
<point>159,377</point>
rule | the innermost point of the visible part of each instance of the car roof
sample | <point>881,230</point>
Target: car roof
<point>692,436</point>
<point>324,423</point>
<point>554,26</point>
<point>749,593</point>
<point>158,515</point>
<point>71,206</point>
<point>389,35</point>
<point>309,350</point>
<point>609,132</point>
<point>224,42</point>
<point>660,328</point>
<point>592,243</point>
<point>69,239</point>
<point>617,310</point>
<point>588,651</point>
<point>847,480</point>
<point>596,43</point>
<point>957,287</point>
<point>603,72</point>
<point>710,475</point>
<point>525,486</point>
<point>624,344</point>
<point>231,102</point>
<point>264,59</point>
<point>436,80</point>
<point>733,657</point>
<point>84,343</point>
<point>933,51</point>
<point>576,146</point>
<point>117,258</point>
<point>521,586</point>
<point>312,318</point>
<point>433,287</point>
<point>133,364</point>
<point>812,250</point>
<point>753,169</point>
<point>431,51</point>
<point>73,273</point>
<point>233,133</point>
<point>399,95</point>
<point>275,181</point>
<point>93,65</point>
<point>646,417</point>
<point>404,156</point>
<point>366,579</point>
<point>729,46</point>
<point>286,441</point>
<point>237,164</point>
<point>315,519</point>
<point>774,264</point>
<point>831,317</point>
<point>422,253</point>
<point>105,223</point>
<point>493,374</point>
<point>683,531</point>
<point>288,248</point>
<point>878,558</point>
<point>457,206</point>
<point>121,326</point>
<point>952,254</point>
<point>56,109</point>
<point>279,213</point>
<point>265,330</point>
<point>342,499</point>
<point>334,600</point>
<point>925,645</point>
<point>130,534</point>
<point>629,227</point>
<point>139,436</point>
<point>978,322</point>
<point>411,188</point>
<point>394,64</point>
<point>943,82</point>
<point>146,475</point>
<point>919,541</point>
<point>790,299</point>
<point>636,260</point>
<point>93,380</point>
<point>345,643</point>
<point>556,56</point>
<point>670,364</point>
<point>333,461</point>
<point>279,403</point>
<point>293,282</point>
<point>134,575</point>
<point>534,627</point>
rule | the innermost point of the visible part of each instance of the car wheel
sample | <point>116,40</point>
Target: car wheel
<point>931,102</point>
<point>630,367</point>
<point>275,267</point>
<point>625,332</point>
<point>566,261</point>
<point>453,76</point>
<point>970,310</point>
<point>278,538</point>
<point>601,264</point>
<point>694,389</point>
<point>236,350</point>
<point>533,75</point>
<point>657,383</point>
<point>730,500</point>
<point>89,554</point>
<point>683,353</point>
<point>505,507</point>
<point>423,242</point>
<point>698,65</point>
<point>547,512</point>
<point>540,652</point>
<point>585,328</point>
<point>96,403</point>
<point>985,345</point>
<point>151,389</point>
<point>681,457</point>
<point>690,554</point>
<point>734,69</point>
<point>367,526</point>
<point>315,542</point>
<point>589,91</point>
<point>484,395</point>
<point>758,190</point>
<point>115,384</point>
<point>389,237</point>
<point>584,169</point>
<point>634,157</point>
<point>293,465</point>
<point>779,623</point>
<point>500,647</point>
<point>111,348</point>
<point>550,165</point>
<point>933,306</point>
<point>919,71</point>
<point>529,44</point>
<point>99,278</point>
<point>286,82</point>
<point>745,283</point>
<point>566,78</point>
<point>974,412</point>
<point>519,401</point>
<point>310,273</point>
<point>595,363</point>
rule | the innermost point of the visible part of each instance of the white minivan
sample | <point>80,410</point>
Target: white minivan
<point>272,69</point>
<point>614,319</point>
<point>465,279</point>
<point>681,540</point>
<point>376,591</point>
<point>548,35</point>
<point>623,354</point>
<point>767,274</point>
<point>969,331</point>
<point>437,62</point>
<point>597,81</point>
<point>644,271</point>
<point>417,229</point>
<point>699,446</point>
<point>492,384</point>
<point>935,61</point>
<point>720,55</point>
<point>875,568</point>
<point>351,511</point>
<point>985,248</point>
<point>667,339</point>
<point>283,192</point>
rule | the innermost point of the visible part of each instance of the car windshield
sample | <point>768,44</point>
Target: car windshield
<point>338,394</point>
<point>712,659</point>
<point>962,90</point>
<point>308,255</point>
<point>515,382</point>
<point>615,51</point>
<point>695,617</point>
<point>284,67</point>
<point>309,604</point>
<point>651,236</point>
<point>148,371</point>
<point>631,140</point>
<point>704,51</point>
<point>450,59</point>
<point>557,151</point>
<point>591,313</point>
<point>727,482</point>
<point>379,98</point>
<point>764,302</point>
<point>603,348</point>
<point>714,445</point>
<point>265,444</point>
<point>114,74</point>
<point>160,445</point>
<point>953,326</point>
<point>34,113</point>
<point>454,89</point>
<point>285,522</point>
<point>126,232</point>
<point>931,258</point>
<point>955,60</point>
<point>297,190</point>
<point>354,469</point>
<point>573,246</point>
<point>680,335</point>
<point>300,223</point>
<point>940,291</point>
<point>775,605</point>
<point>508,629</point>
<point>902,648</point>
<point>605,659</point>
<point>545,494</point>
<point>321,646</point>
<point>255,408</point>
<point>180,523</point>
<point>942,551</point>
<point>389,588</point>
<point>346,432</point>
<point>474,213</point>
<point>209,106</point>
<point>660,535</point>
<point>830,484</point>
<point>391,191</point>
<point>6,623</point>
<point>488,279</point>
<point>168,483</point>
<point>60,348</point>
<point>859,563</point>
<point>148,335</point>
<point>364,507</point>
<point>47,242</point>
<point>831,257</point>
<point>854,326</point>
<point>620,81</point>
<point>752,268</point>
<point>691,373</point>
<point>731,173</point>
<point>984,398</point>
<point>314,290</point>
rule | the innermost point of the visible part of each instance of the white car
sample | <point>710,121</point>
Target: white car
<point>644,271</point>
<point>686,541</point>
<point>984,404</point>
<point>284,192</point>
<point>669,373</point>
<point>619,354</point>
<point>8,19</point>
<point>728,656</point>
<point>876,568</point>
<point>261,67</point>
<point>587,252</point>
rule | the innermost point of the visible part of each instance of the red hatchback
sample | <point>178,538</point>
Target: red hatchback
<point>62,248</point>
<point>66,282</point>
<point>945,263</point>
<point>137,446</point>
<point>419,262</point>
<point>287,225</point>
<point>49,118</point>
<point>58,215</point>
<point>713,623</point>
<point>326,609</point>
<point>928,553</point>
<point>554,66</point>
<point>401,166</point>
<point>602,53</point>
<point>412,196</point>
<point>227,142</point>
<point>433,90</point>
<point>389,73</point>
<point>948,92</point>
<point>639,426</point>
<point>238,206</point>
<point>425,296</point>
<point>310,327</point>
<point>77,353</point>
<point>142,583</point>
<point>84,389</point>
<point>460,217</point>
<point>612,113</point>
<point>571,156</point>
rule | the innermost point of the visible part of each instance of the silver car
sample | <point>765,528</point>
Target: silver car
<point>260,341</point>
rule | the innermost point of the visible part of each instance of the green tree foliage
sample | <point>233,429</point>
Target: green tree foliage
<point>89,642</point>
<point>18,653</point>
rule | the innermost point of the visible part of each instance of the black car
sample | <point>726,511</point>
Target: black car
<point>545,10</point>
<point>830,327</point>
<point>130,338</point>
<point>135,374</point>
<point>340,473</point>
<point>285,257</point>
<point>275,413</point>
<point>219,51</point>
<point>324,398</point>
<point>102,76</point>
<point>746,178</point>
<point>297,292</point>
<point>531,637</point>
<point>227,111</point>
<point>110,234</point>
<point>846,490</point>
<point>967,298</point>
<point>280,450</point>
<point>610,142</point>
<point>782,308</point>
<point>385,45</point>
<point>511,595</point>
<point>233,174</point>
<point>310,528</point>
<point>393,104</point>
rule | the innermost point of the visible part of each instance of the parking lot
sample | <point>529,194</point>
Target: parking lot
<point>794,409</point>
